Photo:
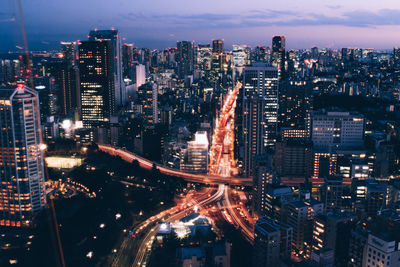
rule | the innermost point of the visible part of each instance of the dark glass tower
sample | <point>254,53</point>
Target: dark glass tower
<point>278,52</point>
<point>96,82</point>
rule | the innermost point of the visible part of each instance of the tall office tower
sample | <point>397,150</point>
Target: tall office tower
<point>127,58</point>
<point>241,55</point>
<point>218,46</point>
<point>65,75</point>
<point>396,57</point>
<point>358,242</point>
<point>262,54</point>
<point>333,231</point>
<point>337,130</point>
<point>203,57</point>
<point>265,181</point>
<point>147,102</point>
<point>325,164</point>
<point>293,158</point>
<point>332,193</point>
<point>69,52</point>
<point>96,82</point>
<point>314,52</point>
<point>184,57</point>
<point>369,196</point>
<point>140,72</point>
<point>272,199</point>
<point>260,111</point>
<point>116,57</point>
<point>195,157</point>
<point>300,215</point>
<point>22,187</point>
<point>278,53</point>
<point>295,104</point>
<point>272,242</point>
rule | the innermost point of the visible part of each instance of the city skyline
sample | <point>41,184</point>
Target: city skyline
<point>306,23</point>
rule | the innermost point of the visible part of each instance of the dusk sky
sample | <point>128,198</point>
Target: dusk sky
<point>160,23</point>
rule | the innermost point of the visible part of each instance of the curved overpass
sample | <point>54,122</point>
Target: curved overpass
<point>190,177</point>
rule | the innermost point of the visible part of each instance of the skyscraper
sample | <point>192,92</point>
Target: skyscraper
<point>127,58</point>
<point>195,157</point>
<point>147,102</point>
<point>241,55</point>
<point>22,186</point>
<point>65,73</point>
<point>184,57</point>
<point>278,52</point>
<point>272,242</point>
<point>260,111</point>
<point>218,46</point>
<point>96,82</point>
<point>118,84</point>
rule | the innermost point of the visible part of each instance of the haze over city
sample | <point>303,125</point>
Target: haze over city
<point>159,24</point>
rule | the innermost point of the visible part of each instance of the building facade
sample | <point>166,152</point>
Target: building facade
<point>22,181</point>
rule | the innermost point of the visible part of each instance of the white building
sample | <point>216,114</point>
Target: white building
<point>382,251</point>
<point>195,157</point>
<point>241,55</point>
<point>337,130</point>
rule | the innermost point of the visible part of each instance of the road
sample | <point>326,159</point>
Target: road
<point>145,247</point>
<point>129,245</point>
<point>190,177</point>
<point>238,221</point>
<point>198,178</point>
<point>222,160</point>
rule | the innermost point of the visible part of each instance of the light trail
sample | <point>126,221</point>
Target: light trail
<point>221,153</point>
<point>245,229</point>
<point>145,247</point>
<point>190,177</point>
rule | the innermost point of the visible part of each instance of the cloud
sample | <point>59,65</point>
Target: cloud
<point>268,17</point>
<point>334,6</point>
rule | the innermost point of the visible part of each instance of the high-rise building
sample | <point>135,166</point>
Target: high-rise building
<point>241,55</point>
<point>262,54</point>
<point>116,58</point>
<point>65,75</point>
<point>195,157</point>
<point>295,104</point>
<point>369,196</point>
<point>22,187</point>
<point>203,55</point>
<point>325,164</point>
<point>332,193</point>
<point>218,46</point>
<point>357,244</point>
<point>272,199</point>
<point>127,58</point>
<point>294,158</point>
<point>278,52</point>
<point>260,111</point>
<point>300,215</point>
<point>272,242</point>
<point>314,52</point>
<point>96,82</point>
<point>147,102</point>
<point>333,231</point>
<point>336,129</point>
<point>184,58</point>
<point>69,52</point>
